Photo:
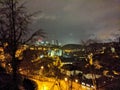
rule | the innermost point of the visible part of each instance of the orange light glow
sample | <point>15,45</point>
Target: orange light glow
<point>44,87</point>
<point>66,79</point>
<point>76,80</point>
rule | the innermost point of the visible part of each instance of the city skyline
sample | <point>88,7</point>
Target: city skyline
<point>70,21</point>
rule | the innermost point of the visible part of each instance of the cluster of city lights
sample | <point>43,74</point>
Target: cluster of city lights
<point>66,79</point>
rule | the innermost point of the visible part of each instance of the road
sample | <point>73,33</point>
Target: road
<point>56,84</point>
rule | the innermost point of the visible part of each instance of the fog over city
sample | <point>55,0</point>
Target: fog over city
<point>70,21</point>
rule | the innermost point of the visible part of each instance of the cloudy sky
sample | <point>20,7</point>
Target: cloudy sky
<point>70,21</point>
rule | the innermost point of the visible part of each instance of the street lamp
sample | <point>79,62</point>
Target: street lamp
<point>41,71</point>
<point>76,80</point>
<point>66,80</point>
<point>42,67</point>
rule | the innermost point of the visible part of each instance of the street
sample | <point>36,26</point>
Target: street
<point>56,84</point>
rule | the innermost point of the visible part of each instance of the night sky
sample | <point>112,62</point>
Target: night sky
<point>70,21</point>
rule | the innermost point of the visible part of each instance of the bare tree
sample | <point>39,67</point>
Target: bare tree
<point>14,31</point>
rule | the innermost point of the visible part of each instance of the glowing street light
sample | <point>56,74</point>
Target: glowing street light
<point>41,71</point>
<point>42,67</point>
<point>44,87</point>
<point>76,80</point>
<point>67,83</point>
<point>66,79</point>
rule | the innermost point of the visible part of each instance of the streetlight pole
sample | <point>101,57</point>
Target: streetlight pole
<point>71,82</point>
<point>90,57</point>
<point>67,83</point>
<point>41,72</point>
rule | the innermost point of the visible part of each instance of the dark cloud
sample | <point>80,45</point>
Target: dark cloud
<point>70,21</point>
